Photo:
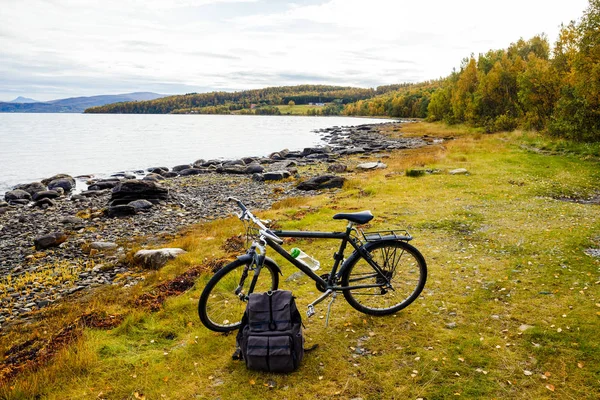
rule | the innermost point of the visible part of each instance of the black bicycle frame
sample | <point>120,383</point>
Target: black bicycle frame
<point>338,256</point>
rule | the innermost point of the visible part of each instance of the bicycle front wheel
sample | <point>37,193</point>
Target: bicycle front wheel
<point>402,264</point>
<point>223,300</point>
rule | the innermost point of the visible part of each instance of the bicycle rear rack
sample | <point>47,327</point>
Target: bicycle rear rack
<point>393,234</point>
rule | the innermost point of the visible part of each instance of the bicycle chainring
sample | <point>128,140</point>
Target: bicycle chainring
<point>320,287</point>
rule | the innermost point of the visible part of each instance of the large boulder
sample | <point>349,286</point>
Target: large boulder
<point>44,203</point>
<point>130,190</point>
<point>337,168</point>
<point>276,175</point>
<point>46,194</point>
<point>32,188</point>
<point>193,171</point>
<point>253,168</point>
<point>181,167</point>
<point>17,195</point>
<point>67,184</point>
<point>55,177</point>
<point>50,240</point>
<point>155,259</point>
<point>371,165</point>
<point>322,182</point>
<point>154,177</point>
<point>141,205</point>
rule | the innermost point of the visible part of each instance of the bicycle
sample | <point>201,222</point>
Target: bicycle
<point>383,275</point>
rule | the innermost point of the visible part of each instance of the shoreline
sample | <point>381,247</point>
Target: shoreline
<point>102,168</point>
<point>96,246</point>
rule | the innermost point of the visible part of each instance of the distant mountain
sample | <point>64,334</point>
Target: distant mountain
<point>75,104</point>
<point>22,99</point>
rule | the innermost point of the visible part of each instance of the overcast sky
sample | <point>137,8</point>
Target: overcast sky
<point>53,49</point>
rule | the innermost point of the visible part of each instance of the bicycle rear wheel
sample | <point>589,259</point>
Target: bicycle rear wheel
<point>402,264</point>
<point>220,308</point>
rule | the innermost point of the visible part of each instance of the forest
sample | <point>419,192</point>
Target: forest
<point>529,85</point>
<point>226,102</point>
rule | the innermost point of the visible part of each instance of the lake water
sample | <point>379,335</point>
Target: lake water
<point>37,146</point>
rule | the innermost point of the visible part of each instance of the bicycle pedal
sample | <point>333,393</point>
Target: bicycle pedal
<point>310,312</point>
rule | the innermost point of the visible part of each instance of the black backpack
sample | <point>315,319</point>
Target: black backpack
<point>270,337</point>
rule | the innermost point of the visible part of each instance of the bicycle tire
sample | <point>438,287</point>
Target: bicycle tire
<point>394,258</point>
<point>219,308</point>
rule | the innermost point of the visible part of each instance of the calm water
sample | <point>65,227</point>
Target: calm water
<point>37,146</point>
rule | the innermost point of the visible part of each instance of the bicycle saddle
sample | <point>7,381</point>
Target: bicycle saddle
<point>358,217</point>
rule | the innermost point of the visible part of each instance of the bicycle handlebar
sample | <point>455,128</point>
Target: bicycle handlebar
<point>264,231</point>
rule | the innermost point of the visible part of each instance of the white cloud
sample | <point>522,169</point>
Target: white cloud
<point>238,44</point>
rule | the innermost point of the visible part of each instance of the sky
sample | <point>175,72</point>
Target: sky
<point>52,49</point>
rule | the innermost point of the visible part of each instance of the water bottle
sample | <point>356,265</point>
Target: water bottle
<point>305,259</point>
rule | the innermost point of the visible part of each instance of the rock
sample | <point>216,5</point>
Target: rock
<point>152,177</point>
<point>158,170</point>
<point>55,177</point>
<point>314,150</point>
<point>322,182</point>
<point>130,190</point>
<point>32,188</point>
<point>233,169</point>
<point>525,327</point>
<point>50,240</point>
<point>295,275</point>
<point>451,325</point>
<point>337,168</point>
<point>155,259</point>
<point>234,162</point>
<point>103,246</point>
<point>276,175</point>
<point>120,210</point>
<point>371,165</point>
<point>104,184</point>
<point>170,174</point>
<point>415,172</point>
<point>45,203</point>
<point>207,163</point>
<point>458,171</point>
<point>192,171</point>
<point>17,194</point>
<point>258,177</point>
<point>74,223</point>
<point>318,156</point>
<point>253,168</point>
<point>181,167</point>
<point>199,163</point>
<point>141,205</point>
<point>3,204</point>
<point>46,194</point>
<point>67,184</point>
<point>352,150</point>
<point>42,303</point>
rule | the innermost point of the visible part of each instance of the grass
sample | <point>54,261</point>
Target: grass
<point>510,309</point>
<point>299,109</point>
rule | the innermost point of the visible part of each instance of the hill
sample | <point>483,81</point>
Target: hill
<point>227,102</point>
<point>22,99</point>
<point>75,104</point>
